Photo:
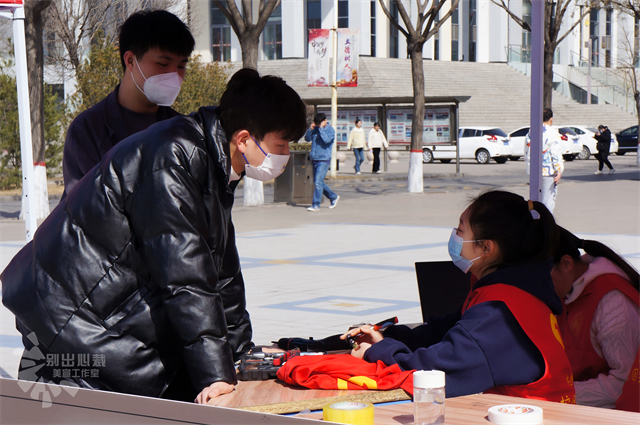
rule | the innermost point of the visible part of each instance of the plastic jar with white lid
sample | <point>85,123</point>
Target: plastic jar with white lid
<point>428,397</point>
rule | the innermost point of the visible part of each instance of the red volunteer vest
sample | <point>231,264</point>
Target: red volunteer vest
<point>540,325</point>
<point>575,327</point>
<point>630,397</point>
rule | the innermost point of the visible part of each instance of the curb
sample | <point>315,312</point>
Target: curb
<point>339,178</point>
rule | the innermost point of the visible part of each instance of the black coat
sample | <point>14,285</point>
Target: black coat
<point>604,141</point>
<point>139,264</point>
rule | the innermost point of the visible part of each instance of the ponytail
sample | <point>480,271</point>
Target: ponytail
<point>569,244</point>
<point>525,231</point>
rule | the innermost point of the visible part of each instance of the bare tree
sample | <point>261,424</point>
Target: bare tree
<point>247,31</point>
<point>427,24</point>
<point>630,57</point>
<point>72,25</point>
<point>34,24</point>
<point>554,15</point>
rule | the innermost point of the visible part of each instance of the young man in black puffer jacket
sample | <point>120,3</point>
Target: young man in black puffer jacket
<point>137,267</point>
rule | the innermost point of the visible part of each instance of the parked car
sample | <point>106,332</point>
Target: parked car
<point>570,143</point>
<point>519,142</point>
<point>627,140</point>
<point>479,143</point>
<point>589,143</point>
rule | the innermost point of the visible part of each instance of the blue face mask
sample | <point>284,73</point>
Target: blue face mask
<point>455,248</point>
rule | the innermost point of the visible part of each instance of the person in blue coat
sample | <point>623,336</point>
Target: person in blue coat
<point>501,239</point>
<point>322,136</point>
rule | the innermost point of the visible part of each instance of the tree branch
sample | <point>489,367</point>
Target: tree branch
<point>525,26</point>
<point>393,21</point>
<point>233,16</point>
<point>442,20</point>
<point>585,13</point>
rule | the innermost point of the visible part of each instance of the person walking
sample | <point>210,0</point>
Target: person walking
<point>376,142</point>
<point>357,141</point>
<point>603,136</point>
<point>322,136</point>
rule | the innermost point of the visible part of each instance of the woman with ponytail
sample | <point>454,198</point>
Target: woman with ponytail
<point>600,323</point>
<point>504,338</point>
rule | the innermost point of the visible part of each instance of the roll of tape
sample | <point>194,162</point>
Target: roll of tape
<point>508,414</point>
<point>352,413</point>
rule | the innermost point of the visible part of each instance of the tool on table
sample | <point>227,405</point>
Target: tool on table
<point>353,340</point>
<point>260,366</point>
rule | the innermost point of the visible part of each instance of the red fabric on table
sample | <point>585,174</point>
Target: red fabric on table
<point>344,372</point>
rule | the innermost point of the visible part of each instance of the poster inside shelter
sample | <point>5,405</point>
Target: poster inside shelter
<point>347,121</point>
<point>318,65</point>
<point>436,126</point>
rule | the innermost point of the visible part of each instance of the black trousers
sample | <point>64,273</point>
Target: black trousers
<point>376,159</point>
<point>602,158</point>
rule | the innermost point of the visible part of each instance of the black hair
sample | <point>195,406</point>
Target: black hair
<point>317,120</point>
<point>506,219</point>
<point>547,114</point>
<point>358,120</point>
<point>149,29</point>
<point>376,123</point>
<point>569,244</point>
<point>262,105</point>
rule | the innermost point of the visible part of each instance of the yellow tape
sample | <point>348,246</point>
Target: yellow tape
<point>352,413</point>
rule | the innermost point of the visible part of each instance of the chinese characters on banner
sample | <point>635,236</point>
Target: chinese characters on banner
<point>319,52</point>
<point>319,45</point>
<point>347,57</point>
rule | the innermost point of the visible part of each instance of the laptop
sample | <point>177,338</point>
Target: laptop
<point>442,286</point>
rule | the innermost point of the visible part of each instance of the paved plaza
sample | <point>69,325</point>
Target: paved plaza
<point>315,274</point>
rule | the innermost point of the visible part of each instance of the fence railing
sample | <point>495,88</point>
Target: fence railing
<point>607,91</point>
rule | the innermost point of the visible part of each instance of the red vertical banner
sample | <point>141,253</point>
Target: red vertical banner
<point>319,52</point>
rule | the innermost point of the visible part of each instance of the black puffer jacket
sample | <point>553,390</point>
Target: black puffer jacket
<point>139,264</point>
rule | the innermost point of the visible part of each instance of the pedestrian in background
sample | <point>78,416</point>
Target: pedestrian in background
<point>376,142</point>
<point>552,162</point>
<point>357,141</point>
<point>321,135</point>
<point>603,136</point>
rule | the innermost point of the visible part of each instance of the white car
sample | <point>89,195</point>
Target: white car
<point>586,134</point>
<point>519,142</point>
<point>570,143</point>
<point>479,143</point>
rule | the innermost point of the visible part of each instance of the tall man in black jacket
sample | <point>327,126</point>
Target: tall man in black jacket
<point>138,265</point>
<point>154,50</point>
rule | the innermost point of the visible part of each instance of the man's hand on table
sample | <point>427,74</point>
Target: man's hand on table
<point>365,336</point>
<point>214,390</point>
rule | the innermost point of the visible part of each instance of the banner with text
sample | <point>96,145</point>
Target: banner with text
<point>319,45</point>
<point>347,57</point>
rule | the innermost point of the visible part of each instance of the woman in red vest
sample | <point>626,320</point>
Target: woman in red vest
<point>505,338</point>
<point>600,323</point>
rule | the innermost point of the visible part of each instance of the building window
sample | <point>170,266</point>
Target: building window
<point>314,16</point>
<point>343,14</point>
<point>594,32</point>
<point>454,35</point>
<point>272,35</point>
<point>472,30</point>
<point>393,32</point>
<point>373,28</point>
<point>220,35</point>
<point>525,48</point>
<point>607,38</point>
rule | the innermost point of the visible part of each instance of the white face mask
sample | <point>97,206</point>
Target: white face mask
<point>161,89</point>
<point>272,166</point>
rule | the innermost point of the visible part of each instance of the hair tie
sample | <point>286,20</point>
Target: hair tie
<point>534,213</point>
